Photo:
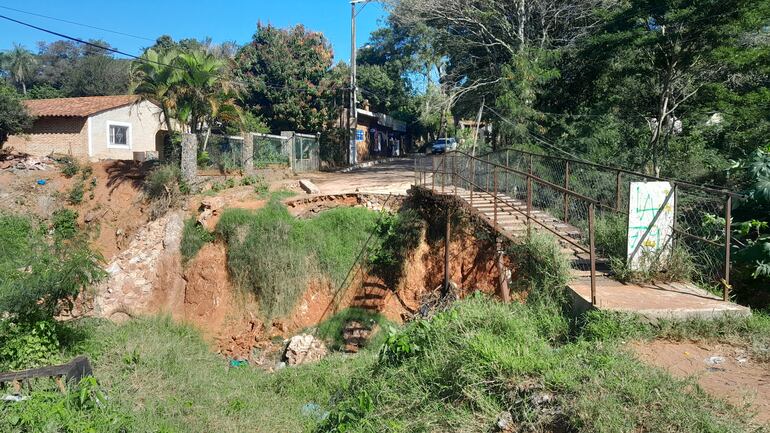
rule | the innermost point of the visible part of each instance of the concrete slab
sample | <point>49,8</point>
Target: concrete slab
<point>653,301</point>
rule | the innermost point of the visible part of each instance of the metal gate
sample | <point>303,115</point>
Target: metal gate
<point>305,153</point>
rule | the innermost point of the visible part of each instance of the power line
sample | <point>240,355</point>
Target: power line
<point>76,23</point>
<point>139,58</point>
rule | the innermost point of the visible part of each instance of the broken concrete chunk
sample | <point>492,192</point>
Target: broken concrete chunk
<point>303,349</point>
<point>309,187</point>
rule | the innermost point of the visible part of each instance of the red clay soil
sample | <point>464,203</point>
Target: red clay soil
<point>738,379</point>
<point>113,214</point>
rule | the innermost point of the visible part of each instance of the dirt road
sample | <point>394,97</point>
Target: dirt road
<point>392,177</point>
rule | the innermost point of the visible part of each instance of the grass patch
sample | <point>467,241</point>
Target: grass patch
<point>752,332</point>
<point>459,370</point>
<point>543,267</point>
<point>158,376</point>
<point>274,254</point>
<point>165,188</point>
<point>194,237</point>
<point>330,330</point>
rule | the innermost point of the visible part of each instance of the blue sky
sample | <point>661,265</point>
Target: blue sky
<point>222,21</point>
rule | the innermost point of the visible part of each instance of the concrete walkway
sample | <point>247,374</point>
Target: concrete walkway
<point>393,177</point>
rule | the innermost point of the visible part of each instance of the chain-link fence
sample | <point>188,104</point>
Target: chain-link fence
<point>270,150</point>
<point>221,153</point>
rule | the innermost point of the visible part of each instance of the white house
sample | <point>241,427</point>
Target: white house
<point>94,127</point>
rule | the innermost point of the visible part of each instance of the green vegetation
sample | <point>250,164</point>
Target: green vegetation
<point>41,273</point>
<point>70,167</point>
<point>274,255</point>
<point>165,188</point>
<point>542,267</point>
<point>398,234</point>
<point>194,237</point>
<point>331,329</point>
<point>157,376</point>
<point>13,116</point>
<point>459,370</point>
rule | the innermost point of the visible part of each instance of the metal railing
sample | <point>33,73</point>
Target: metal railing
<point>579,193</point>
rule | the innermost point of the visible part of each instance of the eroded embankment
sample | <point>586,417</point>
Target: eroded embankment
<point>214,292</point>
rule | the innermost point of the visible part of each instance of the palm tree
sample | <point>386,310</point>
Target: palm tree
<point>155,78</point>
<point>20,64</point>
<point>206,94</point>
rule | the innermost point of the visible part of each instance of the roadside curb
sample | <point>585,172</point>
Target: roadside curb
<point>370,164</point>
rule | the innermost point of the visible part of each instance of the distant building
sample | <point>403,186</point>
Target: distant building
<point>379,136</point>
<point>95,127</point>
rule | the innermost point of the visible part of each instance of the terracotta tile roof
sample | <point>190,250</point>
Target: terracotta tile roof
<point>77,107</point>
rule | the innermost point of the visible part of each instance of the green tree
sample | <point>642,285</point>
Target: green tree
<point>13,115</point>
<point>286,73</point>
<point>20,64</point>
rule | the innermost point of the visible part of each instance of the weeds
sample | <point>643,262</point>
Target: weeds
<point>330,330</point>
<point>677,265</point>
<point>399,234</point>
<point>164,187</point>
<point>64,224</point>
<point>459,370</point>
<point>76,193</point>
<point>274,255</point>
<point>70,167</point>
<point>543,266</point>
<point>194,237</point>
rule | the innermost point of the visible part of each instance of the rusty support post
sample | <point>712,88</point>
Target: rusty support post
<point>502,278</point>
<point>728,233</point>
<point>591,235</point>
<point>444,172</point>
<point>454,172</point>
<point>494,196</point>
<point>447,236</point>
<point>433,177</point>
<point>415,170</point>
<point>507,165</point>
<point>529,206</point>
<point>617,191</point>
<point>676,210</point>
<point>473,178</point>
<point>486,175</point>
<point>566,196</point>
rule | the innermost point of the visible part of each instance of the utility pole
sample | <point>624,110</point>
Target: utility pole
<point>353,159</point>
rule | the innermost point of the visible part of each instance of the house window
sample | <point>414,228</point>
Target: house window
<point>119,134</point>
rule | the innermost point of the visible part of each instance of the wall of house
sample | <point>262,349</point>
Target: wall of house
<point>65,135</point>
<point>145,121</point>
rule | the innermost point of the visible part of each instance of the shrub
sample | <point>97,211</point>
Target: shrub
<point>75,196</point>
<point>70,167</point>
<point>65,224</point>
<point>194,237</point>
<point>164,187</point>
<point>398,235</point>
<point>41,277</point>
<point>28,344</point>
<point>543,267</point>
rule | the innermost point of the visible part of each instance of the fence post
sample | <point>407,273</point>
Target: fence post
<point>247,153</point>
<point>454,172</point>
<point>566,196</point>
<point>434,166</point>
<point>444,172</point>
<point>189,158</point>
<point>617,191</point>
<point>472,178</point>
<point>529,206</point>
<point>415,170</point>
<point>591,235</point>
<point>728,233</point>
<point>507,166</point>
<point>494,196</point>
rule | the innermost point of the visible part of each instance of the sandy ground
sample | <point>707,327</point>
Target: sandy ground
<point>723,371</point>
<point>392,177</point>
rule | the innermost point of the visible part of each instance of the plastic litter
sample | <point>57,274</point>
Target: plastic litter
<point>235,363</point>
<point>715,360</point>
<point>41,182</point>
<point>313,410</point>
<point>14,398</point>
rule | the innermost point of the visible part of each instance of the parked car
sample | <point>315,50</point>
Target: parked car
<point>444,145</point>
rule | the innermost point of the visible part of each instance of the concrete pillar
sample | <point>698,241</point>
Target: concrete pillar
<point>189,158</point>
<point>247,153</point>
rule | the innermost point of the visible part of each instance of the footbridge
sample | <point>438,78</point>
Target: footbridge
<point>586,207</point>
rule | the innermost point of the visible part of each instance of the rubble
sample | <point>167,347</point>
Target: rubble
<point>20,161</point>
<point>303,349</point>
<point>309,187</point>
